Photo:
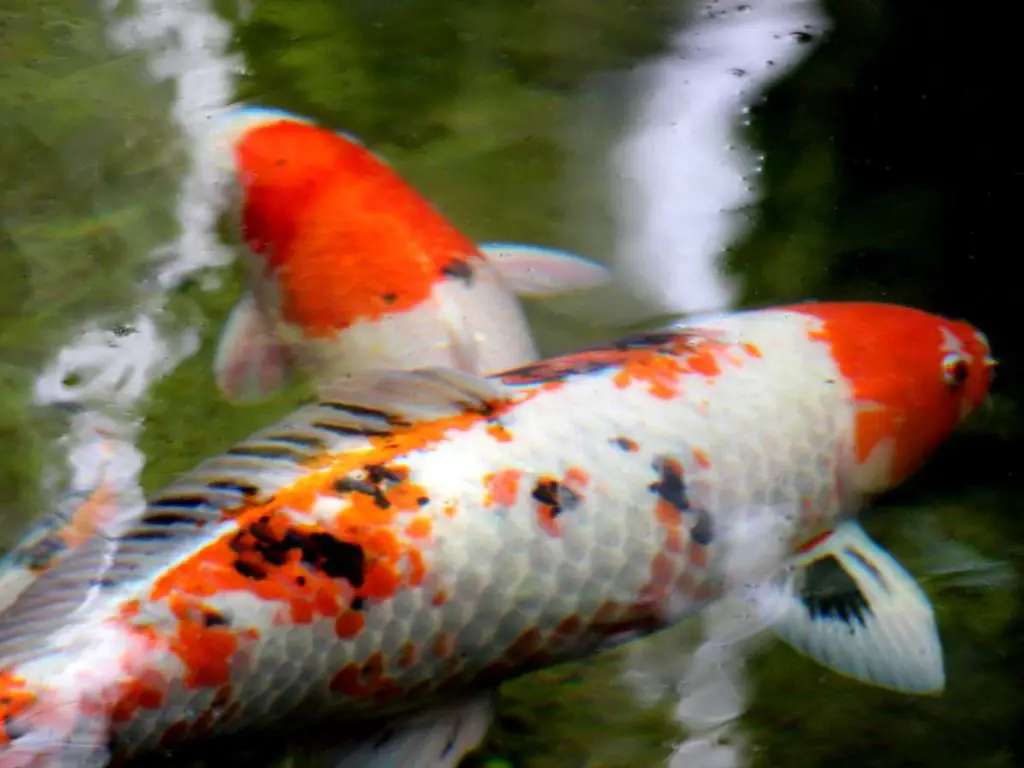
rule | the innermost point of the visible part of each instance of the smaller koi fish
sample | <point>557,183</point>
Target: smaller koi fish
<point>351,268</point>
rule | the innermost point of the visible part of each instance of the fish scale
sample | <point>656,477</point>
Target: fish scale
<point>417,536</point>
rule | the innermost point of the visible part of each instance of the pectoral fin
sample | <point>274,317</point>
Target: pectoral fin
<point>850,606</point>
<point>438,738</point>
<point>534,272</point>
<point>250,363</point>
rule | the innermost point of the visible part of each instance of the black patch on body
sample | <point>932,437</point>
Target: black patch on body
<point>670,485</point>
<point>703,529</point>
<point>259,550</point>
<point>554,494</point>
<point>378,473</point>
<point>351,485</point>
<point>829,593</point>
<point>212,618</point>
<point>378,476</point>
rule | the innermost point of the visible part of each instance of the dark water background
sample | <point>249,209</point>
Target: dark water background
<point>892,164</point>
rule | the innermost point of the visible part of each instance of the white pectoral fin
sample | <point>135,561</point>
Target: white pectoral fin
<point>250,363</point>
<point>850,606</point>
<point>534,272</point>
<point>436,738</point>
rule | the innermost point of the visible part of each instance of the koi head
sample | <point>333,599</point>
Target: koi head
<point>913,377</point>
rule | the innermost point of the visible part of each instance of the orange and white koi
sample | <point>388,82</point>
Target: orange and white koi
<point>384,557</point>
<point>351,268</point>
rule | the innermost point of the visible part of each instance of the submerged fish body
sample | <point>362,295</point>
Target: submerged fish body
<point>396,549</point>
<point>350,267</point>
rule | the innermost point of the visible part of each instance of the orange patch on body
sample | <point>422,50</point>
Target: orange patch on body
<point>567,629</point>
<point>526,645</point>
<point>499,433</point>
<point>15,699</point>
<point>347,238</point>
<point>133,694</point>
<point>443,645</point>
<point>502,487</point>
<point>349,624</point>
<point>701,458</point>
<point>408,655</point>
<point>420,528</point>
<point>548,520</point>
<point>91,516</point>
<point>752,349</point>
<point>662,573</point>
<point>205,650</point>
<point>368,679</point>
<point>660,362</point>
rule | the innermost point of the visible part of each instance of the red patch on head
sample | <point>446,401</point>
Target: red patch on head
<point>894,360</point>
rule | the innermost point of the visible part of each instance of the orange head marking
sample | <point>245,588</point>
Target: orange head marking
<point>914,377</point>
<point>345,237</point>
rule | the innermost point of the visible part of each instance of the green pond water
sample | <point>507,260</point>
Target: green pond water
<point>478,105</point>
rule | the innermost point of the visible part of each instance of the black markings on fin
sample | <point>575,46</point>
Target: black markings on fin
<point>250,450</point>
<point>829,593</point>
<point>868,566</point>
<point>344,430</point>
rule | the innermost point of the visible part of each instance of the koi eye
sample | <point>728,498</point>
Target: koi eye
<point>955,369</point>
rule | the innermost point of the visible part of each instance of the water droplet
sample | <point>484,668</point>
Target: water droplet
<point>802,37</point>
<point>738,72</point>
<point>743,8</point>
<point>771,63</point>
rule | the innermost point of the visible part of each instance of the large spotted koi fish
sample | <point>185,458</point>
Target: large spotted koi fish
<point>366,571</point>
<point>350,267</point>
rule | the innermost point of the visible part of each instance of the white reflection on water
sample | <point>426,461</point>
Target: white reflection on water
<point>106,373</point>
<point>684,175</point>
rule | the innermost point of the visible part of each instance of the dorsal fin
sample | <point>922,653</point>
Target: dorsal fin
<point>51,601</point>
<point>367,404</point>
